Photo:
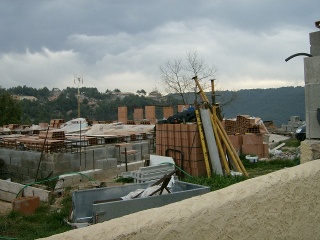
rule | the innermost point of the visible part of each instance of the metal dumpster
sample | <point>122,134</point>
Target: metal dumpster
<point>85,210</point>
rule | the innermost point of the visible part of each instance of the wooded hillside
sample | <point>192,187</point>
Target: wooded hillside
<point>274,104</point>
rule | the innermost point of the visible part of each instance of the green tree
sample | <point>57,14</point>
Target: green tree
<point>141,92</point>
<point>10,110</point>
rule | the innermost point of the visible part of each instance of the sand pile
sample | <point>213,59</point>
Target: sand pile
<point>281,205</point>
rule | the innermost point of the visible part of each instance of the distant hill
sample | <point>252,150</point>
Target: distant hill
<point>274,104</point>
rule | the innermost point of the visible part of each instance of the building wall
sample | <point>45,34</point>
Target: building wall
<point>23,165</point>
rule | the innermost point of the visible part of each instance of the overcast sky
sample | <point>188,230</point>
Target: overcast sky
<point>122,43</point>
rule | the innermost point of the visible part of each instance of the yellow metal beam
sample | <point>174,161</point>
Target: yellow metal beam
<point>221,151</point>
<point>203,143</point>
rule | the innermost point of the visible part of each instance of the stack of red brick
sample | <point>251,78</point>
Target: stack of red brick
<point>250,144</point>
<point>246,134</point>
<point>182,143</point>
<point>56,123</point>
<point>52,134</point>
<point>244,124</point>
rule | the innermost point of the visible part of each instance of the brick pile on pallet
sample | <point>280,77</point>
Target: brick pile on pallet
<point>186,140</point>
<point>244,124</point>
<point>247,135</point>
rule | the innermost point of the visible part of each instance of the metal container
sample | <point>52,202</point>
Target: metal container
<point>86,210</point>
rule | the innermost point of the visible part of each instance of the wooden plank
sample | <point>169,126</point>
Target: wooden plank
<point>14,188</point>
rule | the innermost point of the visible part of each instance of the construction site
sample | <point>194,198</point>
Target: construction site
<point>196,141</point>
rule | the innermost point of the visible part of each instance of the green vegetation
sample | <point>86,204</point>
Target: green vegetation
<point>10,109</point>
<point>283,102</point>
<point>46,221</point>
<point>294,143</point>
<point>265,167</point>
<point>216,182</point>
<point>124,179</point>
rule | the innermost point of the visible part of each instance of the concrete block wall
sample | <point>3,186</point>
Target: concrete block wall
<point>315,43</point>
<point>312,86</point>
<point>23,165</point>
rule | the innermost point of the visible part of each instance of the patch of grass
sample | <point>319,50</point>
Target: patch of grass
<point>43,223</point>
<point>216,182</point>
<point>264,167</point>
<point>291,143</point>
<point>124,179</point>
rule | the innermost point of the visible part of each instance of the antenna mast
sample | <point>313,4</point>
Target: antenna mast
<point>78,81</point>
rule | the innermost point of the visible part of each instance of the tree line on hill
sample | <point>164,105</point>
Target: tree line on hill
<point>274,104</point>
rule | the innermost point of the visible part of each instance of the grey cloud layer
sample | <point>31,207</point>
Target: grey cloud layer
<point>120,44</point>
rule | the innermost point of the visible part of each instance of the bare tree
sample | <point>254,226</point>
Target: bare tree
<point>177,74</point>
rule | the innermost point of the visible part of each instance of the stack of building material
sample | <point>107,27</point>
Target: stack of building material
<point>37,144</point>
<point>250,144</point>
<point>167,111</point>
<point>150,114</point>
<point>151,173</point>
<point>131,122</point>
<point>52,134</point>
<point>122,114</point>
<point>138,115</point>
<point>244,124</point>
<point>13,126</point>
<point>10,141</point>
<point>91,140</point>
<point>56,123</point>
<point>182,143</point>
<point>246,134</point>
<point>31,143</point>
